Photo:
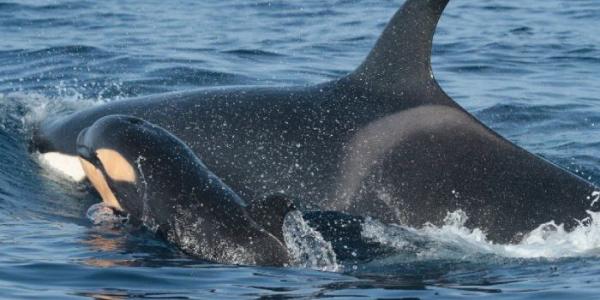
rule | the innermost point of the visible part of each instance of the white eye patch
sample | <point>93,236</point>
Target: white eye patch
<point>116,166</point>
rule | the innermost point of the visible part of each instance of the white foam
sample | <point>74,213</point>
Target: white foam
<point>553,241</point>
<point>68,166</point>
<point>455,241</point>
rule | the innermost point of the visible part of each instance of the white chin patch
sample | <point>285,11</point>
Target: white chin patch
<point>66,165</point>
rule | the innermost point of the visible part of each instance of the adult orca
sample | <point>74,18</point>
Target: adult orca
<point>384,141</point>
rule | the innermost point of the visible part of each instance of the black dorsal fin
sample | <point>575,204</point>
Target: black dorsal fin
<point>270,212</point>
<point>401,58</point>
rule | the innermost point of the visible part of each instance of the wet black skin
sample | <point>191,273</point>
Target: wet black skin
<point>176,195</point>
<point>384,141</point>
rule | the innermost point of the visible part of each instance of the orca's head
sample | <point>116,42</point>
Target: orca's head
<point>123,156</point>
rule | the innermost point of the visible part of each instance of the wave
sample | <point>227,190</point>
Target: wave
<point>252,52</point>
<point>10,6</point>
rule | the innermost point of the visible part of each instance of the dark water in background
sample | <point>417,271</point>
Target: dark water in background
<point>528,69</point>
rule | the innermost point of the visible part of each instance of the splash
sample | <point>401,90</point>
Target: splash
<point>21,112</point>
<point>307,246</point>
<point>553,241</point>
<point>102,215</point>
<point>453,240</point>
<point>25,109</point>
<point>449,241</point>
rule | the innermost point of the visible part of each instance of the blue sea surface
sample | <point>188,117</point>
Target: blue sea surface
<point>527,69</point>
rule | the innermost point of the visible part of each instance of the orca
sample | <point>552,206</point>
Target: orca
<point>385,141</point>
<point>142,170</point>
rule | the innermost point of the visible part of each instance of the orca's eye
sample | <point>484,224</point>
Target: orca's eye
<point>87,154</point>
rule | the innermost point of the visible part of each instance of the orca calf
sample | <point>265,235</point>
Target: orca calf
<point>143,170</point>
<point>384,141</point>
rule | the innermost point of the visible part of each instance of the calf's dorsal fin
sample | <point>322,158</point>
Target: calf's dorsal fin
<point>270,212</point>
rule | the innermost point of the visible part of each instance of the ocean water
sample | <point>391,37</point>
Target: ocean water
<point>527,69</point>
